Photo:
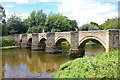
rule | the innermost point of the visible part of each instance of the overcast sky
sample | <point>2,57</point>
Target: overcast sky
<point>83,11</point>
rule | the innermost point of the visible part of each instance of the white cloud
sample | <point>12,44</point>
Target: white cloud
<point>17,1</point>
<point>9,6</point>
<point>84,11</point>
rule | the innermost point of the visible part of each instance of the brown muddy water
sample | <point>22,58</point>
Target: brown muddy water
<point>24,63</point>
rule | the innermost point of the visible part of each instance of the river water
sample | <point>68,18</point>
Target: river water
<point>24,63</point>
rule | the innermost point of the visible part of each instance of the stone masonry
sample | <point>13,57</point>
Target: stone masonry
<point>110,39</point>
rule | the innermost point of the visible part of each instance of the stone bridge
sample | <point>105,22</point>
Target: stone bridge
<point>51,42</point>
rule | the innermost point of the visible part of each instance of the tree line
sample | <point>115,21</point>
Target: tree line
<point>39,20</point>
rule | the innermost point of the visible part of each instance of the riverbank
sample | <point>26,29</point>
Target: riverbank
<point>104,66</point>
<point>7,43</point>
<point>9,47</point>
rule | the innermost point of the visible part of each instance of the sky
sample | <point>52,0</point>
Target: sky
<point>83,11</point>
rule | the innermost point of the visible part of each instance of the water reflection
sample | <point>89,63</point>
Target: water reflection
<point>93,50</point>
<point>24,63</point>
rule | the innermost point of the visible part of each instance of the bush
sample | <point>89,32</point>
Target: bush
<point>104,66</point>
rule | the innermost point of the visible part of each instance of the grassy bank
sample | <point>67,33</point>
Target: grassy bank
<point>9,47</point>
<point>7,43</point>
<point>104,66</point>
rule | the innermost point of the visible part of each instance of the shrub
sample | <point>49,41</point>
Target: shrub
<point>104,66</point>
<point>7,42</point>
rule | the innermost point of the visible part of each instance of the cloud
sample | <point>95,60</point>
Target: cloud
<point>9,6</point>
<point>84,11</point>
<point>17,1</point>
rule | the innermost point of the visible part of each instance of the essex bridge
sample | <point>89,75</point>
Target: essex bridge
<point>51,42</point>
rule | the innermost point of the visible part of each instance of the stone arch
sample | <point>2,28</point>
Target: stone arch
<point>29,42</point>
<point>42,43</point>
<point>82,43</point>
<point>85,39</point>
<point>42,37</point>
<point>58,44</point>
<point>61,38</point>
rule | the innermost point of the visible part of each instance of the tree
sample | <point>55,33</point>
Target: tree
<point>87,27</point>
<point>73,23</point>
<point>40,18</point>
<point>2,13</point>
<point>36,21</point>
<point>58,22</point>
<point>15,25</point>
<point>110,24</point>
<point>2,21</point>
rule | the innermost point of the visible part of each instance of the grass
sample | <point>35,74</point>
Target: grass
<point>90,43</point>
<point>104,66</point>
<point>9,47</point>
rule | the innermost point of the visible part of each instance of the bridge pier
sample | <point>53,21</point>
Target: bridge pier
<point>24,41</point>
<point>50,42</point>
<point>74,51</point>
<point>35,42</point>
<point>113,40</point>
<point>17,38</point>
<point>50,47</point>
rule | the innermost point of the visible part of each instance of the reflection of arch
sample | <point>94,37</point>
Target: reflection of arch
<point>29,42</point>
<point>86,39</point>
<point>42,43</point>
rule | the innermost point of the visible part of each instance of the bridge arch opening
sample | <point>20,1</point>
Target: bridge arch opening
<point>20,42</point>
<point>91,47</point>
<point>42,44</point>
<point>29,43</point>
<point>62,45</point>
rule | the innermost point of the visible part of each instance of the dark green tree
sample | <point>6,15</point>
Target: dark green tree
<point>73,23</point>
<point>15,25</point>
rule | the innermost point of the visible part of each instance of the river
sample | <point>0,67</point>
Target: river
<point>24,63</point>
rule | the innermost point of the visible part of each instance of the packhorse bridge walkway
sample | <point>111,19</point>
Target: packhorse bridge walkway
<point>51,42</point>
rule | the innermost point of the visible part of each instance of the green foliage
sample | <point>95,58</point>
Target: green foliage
<point>4,30</point>
<point>36,21</point>
<point>66,44</point>
<point>58,22</point>
<point>35,29</point>
<point>104,66</point>
<point>87,27</point>
<point>7,42</point>
<point>110,24</point>
<point>90,43</point>
<point>73,23</point>
<point>15,25</point>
